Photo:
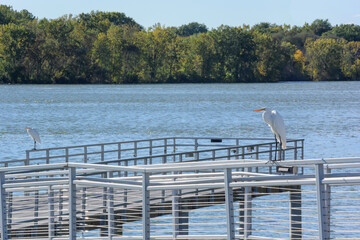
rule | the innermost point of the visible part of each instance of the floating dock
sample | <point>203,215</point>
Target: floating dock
<point>179,188</point>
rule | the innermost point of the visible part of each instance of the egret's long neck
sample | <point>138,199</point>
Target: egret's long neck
<point>267,116</point>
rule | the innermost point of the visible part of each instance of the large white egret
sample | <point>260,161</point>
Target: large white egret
<point>34,135</point>
<point>277,126</point>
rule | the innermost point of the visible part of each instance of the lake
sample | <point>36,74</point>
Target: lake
<point>325,114</point>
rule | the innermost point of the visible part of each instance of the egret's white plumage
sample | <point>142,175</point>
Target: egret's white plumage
<point>276,124</point>
<point>34,135</point>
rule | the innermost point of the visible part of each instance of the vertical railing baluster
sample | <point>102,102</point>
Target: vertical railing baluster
<point>60,214</point>
<point>47,156</point>
<point>295,212</point>
<point>9,211</point>
<point>66,154</point>
<point>83,207</point>
<point>165,145</point>
<point>174,146</point>
<point>320,200</point>
<point>119,158</point>
<point>135,149</point>
<point>51,214</point>
<point>150,147</point>
<point>3,222</point>
<point>72,204</point>
<point>229,205</point>
<point>145,207</point>
<point>27,162</point>
<point>327,189</point>
<point>119,151</point>
<point>85,154</point>
<point>110,207</point>
<point>247,210</point>
<point>102,152</point>
<point>36,212</point>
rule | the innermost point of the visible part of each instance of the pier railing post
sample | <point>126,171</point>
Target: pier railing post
<point>180,218</point>
<point>327,189</point>
<point>145,206</point>
<point>3,222</point>
<point>72,204</point>
<point>110,207</point>
<point>229,205</point>
<point>246,212</point>
<point>295,213</point>
<point>51,226</point>
<point>320,199</point>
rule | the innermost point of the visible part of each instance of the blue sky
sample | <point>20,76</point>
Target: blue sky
<point>209,12</point>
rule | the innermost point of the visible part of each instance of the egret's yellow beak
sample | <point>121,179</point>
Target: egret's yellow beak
<point>260,109</point>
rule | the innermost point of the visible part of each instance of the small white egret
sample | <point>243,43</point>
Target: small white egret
<point>34,135</point>
<point>277,126</point>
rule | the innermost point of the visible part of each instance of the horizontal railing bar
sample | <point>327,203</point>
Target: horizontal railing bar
<point>153,146</point>
<point>33,167</point>
<point>110,168</point>
<point>344,165</point>
<point>342,180</point>
<point>104,184</point>
<point>34,183</point>
<point>242,163</point>
<point>100,144</point>
<point>184,166</point>
<point>161,155</point>
<point>190,152</point>
<point>39,188</point>
<point>35,180</point>
<point>36,174</point>
<point>187,186</point>
<point>110,180</point>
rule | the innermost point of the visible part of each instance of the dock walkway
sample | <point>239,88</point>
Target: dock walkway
<point>178,188</point>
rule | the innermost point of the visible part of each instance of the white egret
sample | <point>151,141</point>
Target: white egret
<point>277,126</point>
<point>34,135</point>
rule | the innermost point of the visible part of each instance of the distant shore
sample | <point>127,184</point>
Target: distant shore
<point>111,48</point>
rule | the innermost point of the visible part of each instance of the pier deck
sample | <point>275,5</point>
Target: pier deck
<point>178,188</point>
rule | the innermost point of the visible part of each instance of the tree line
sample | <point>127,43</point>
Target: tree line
<point>109,47</point>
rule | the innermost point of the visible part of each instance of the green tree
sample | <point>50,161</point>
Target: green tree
<point>101,21</point>
<point>191,29</point>
<point>320,26</point>
<point>235,54</point>
<point>15,42</point>
<point>8,15</point>
<point>203,57</point>
<point>349,32</point>
<point>350,61</point>
<point>157,60</point>
<point>324,56</point>
<point>65,53</point>
<point>273,58</point>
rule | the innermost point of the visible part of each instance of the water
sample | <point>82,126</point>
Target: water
<point>325,114</point>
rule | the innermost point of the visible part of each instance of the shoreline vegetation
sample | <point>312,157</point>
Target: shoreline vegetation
<point>109,47</point>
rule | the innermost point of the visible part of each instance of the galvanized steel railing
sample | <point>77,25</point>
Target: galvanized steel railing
<point>223,199</point>
<point>161,150</point>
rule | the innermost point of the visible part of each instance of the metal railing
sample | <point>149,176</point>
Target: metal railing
<point>224,199</point>
<point>161,150</point>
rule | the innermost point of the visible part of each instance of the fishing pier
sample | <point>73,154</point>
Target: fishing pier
<point>179,188</point>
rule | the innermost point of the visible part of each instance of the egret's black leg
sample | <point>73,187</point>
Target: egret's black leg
<point>280,151</point>
<point>34,145</point>
<point>276,146</point>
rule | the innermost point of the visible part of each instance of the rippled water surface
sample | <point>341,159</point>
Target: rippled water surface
<point>325,114</point>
